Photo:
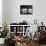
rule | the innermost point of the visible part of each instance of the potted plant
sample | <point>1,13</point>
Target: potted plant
<point>3,34</point>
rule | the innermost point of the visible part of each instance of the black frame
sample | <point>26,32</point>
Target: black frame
<point>26,9</point>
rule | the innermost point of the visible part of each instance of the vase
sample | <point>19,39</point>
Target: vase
<point>2,40</point>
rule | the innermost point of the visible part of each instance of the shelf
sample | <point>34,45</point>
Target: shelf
<point>12,32</point>
<point>16,32</point>
<point>19,32</point>
<point>18,28</point>
<point>19,25</point>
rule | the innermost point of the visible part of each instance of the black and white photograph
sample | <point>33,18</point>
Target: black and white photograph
<point>26,9</point>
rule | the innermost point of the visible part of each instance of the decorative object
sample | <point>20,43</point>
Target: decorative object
<point>3,34</point>
<point>2,40</point>
<point>28,33</point>
<point>26,9</point>
<point>35,21</point>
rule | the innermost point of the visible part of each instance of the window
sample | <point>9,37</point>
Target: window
<point>0,13</point>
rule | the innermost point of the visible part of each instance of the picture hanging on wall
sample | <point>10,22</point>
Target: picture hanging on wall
<point>26,9</point>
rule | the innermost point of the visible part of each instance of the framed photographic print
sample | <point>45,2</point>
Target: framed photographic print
<point>26,9</point>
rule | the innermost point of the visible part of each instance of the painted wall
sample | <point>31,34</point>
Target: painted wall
<point>12,11</point>
<point>15,14</point>
<point>4,11</point>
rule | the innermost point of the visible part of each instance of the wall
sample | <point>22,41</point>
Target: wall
<point>4,11</point>
<point>12,11</point>
<point>15,14</point>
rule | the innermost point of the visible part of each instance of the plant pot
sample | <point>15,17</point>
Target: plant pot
<point>2,40</point>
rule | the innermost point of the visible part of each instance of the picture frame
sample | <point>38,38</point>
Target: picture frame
<point>26,9</point>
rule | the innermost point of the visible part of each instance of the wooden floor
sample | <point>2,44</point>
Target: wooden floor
<point>42,45</point>
<point>32,45</point>
<point>2,45</point>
